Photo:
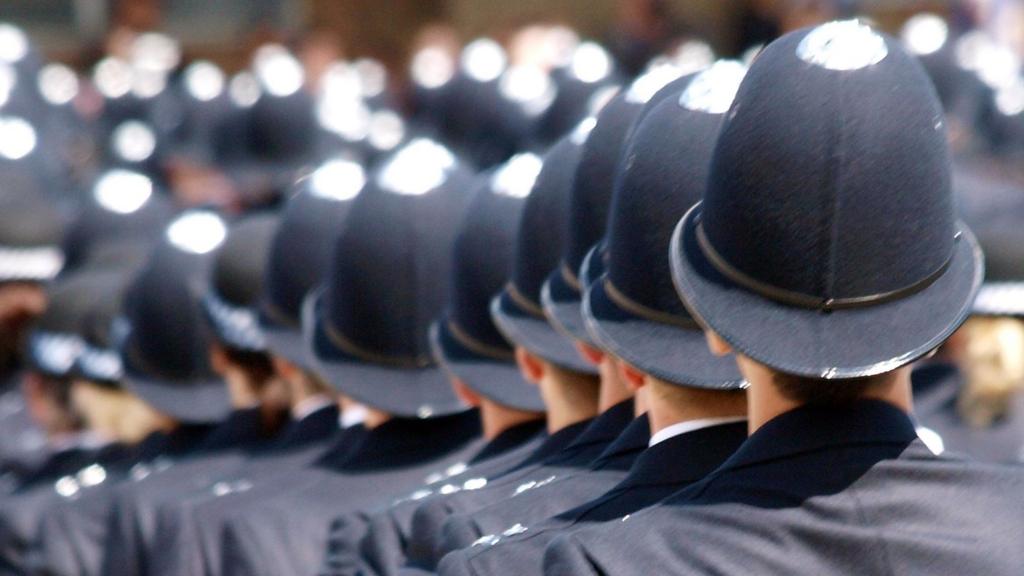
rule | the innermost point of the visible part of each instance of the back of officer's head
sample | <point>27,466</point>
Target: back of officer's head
<point>826,252</point>
<point>545,355</point>
<point>97,393</point>
<point>632,309</point>
<point>236,282</point>
<point>989,349</point>
<point>54,344</point>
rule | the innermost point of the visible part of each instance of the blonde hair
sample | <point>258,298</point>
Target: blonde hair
<point>115,412</point>
<point>993,366</point>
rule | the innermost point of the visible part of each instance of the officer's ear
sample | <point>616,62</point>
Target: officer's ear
<point>21,300</point>
<point>718,346</point>
<point>35,392</point>
<point>284,368</point>
<point>633,378</point>
<point>531,366</point>
<point>465,393</point>
<point>219,360</point>
<point>589,353</point>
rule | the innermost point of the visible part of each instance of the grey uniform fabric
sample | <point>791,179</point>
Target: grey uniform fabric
<point>565,492</point>
<point>428,520</point>
<point>937,387</point>
<point>287,534</point>
<point>658,472</point>
<point>131,525</point>
<point>136,506</point>
<point>21,510</point>
<point>190,530</point>
<point>820,491</point>
<point>387,530</point>
<point>72,532</point>
<point>22,443</point>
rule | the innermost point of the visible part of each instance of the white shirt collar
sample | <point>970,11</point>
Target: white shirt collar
<point>690,426</point>
<point>353,415</point>
<point>307,406</point>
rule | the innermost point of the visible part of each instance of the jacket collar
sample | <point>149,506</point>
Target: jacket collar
<point>58,464</point>
<point>183,439</point>
<point>813,428</point>
<point>686,458</point>
<point>621,453</point>
<point>607,426</point>
<point>509,439</point>
<point>555,443</point>
<point>412,441</point>
<point>601,432</point>
<point>343,442</point>
<point>316,425</point>
<point>242,427</point>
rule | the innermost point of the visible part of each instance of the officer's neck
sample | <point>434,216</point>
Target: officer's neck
<point>765,402</point>
<point>242,390</point>
<point>375,418</point>
<point>668,404</point>
<point>497,419</point>
<point>569,398</point>
<point>303,387</point>
<point>613,389</point>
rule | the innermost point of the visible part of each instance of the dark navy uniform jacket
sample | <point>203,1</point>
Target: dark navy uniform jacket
<point>429,519</point>
<point>287,534</point>
<point>658,472</point>
<point>533,505</point>
<point>390,527</point>
<point>937,387</point>
<point>820,491</point>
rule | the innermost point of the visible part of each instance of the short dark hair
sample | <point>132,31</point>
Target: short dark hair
<point>256,364</point>
<point>821,391</point>
<point>59,390</point>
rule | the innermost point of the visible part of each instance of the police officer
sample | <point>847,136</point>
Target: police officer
<point>66,541</point>
<point>80,452</point>
<point>824,322</point>
<point>589,204</point>
<point>567,382</point>
<point>164,357</point>
<point>695,404</point>
<point>481,365</point>
<point>237,356</point>
<point>367,328</point>
<point>297,259</point>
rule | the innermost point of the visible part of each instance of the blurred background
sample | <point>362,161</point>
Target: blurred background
<point>225,102</point>
<point>224,31</point>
